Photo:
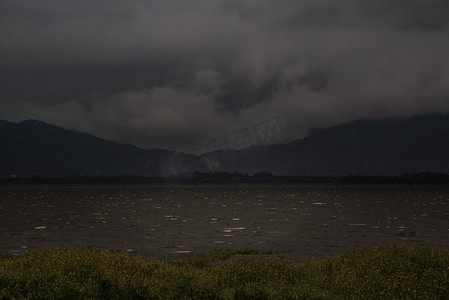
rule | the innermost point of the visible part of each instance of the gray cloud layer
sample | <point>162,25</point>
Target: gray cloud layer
<point>175,73</point>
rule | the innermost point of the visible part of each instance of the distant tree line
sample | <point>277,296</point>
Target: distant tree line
<point>225,177</point>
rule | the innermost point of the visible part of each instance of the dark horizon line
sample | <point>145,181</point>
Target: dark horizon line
<point>225,177</point>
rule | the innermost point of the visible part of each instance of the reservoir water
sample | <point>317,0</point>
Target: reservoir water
<point>168,220</point>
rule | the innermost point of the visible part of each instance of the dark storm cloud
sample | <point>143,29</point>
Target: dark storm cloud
<point>407,14</point>
<point>176,73</point>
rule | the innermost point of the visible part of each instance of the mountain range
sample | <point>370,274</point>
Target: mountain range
<point>36,148</point>
<point>364,147</point>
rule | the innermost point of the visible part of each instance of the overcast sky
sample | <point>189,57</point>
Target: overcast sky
<point>174,73</point>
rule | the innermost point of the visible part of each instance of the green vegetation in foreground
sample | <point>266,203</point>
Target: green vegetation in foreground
<point>385,272</point>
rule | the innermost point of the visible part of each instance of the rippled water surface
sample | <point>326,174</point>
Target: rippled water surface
<point>160,221</point>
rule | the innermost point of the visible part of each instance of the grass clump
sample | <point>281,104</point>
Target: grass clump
<point>386,272</point>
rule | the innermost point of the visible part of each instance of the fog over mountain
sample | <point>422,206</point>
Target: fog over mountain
<point>378,147</point>
<point>175,74</point>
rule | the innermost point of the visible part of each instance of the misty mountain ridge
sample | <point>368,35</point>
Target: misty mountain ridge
<point>37,148</point>
<point>365,147</point>
<point>374,147</point>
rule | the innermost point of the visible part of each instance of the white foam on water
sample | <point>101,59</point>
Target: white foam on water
<point>233,228</point>
<point>40,227</point>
